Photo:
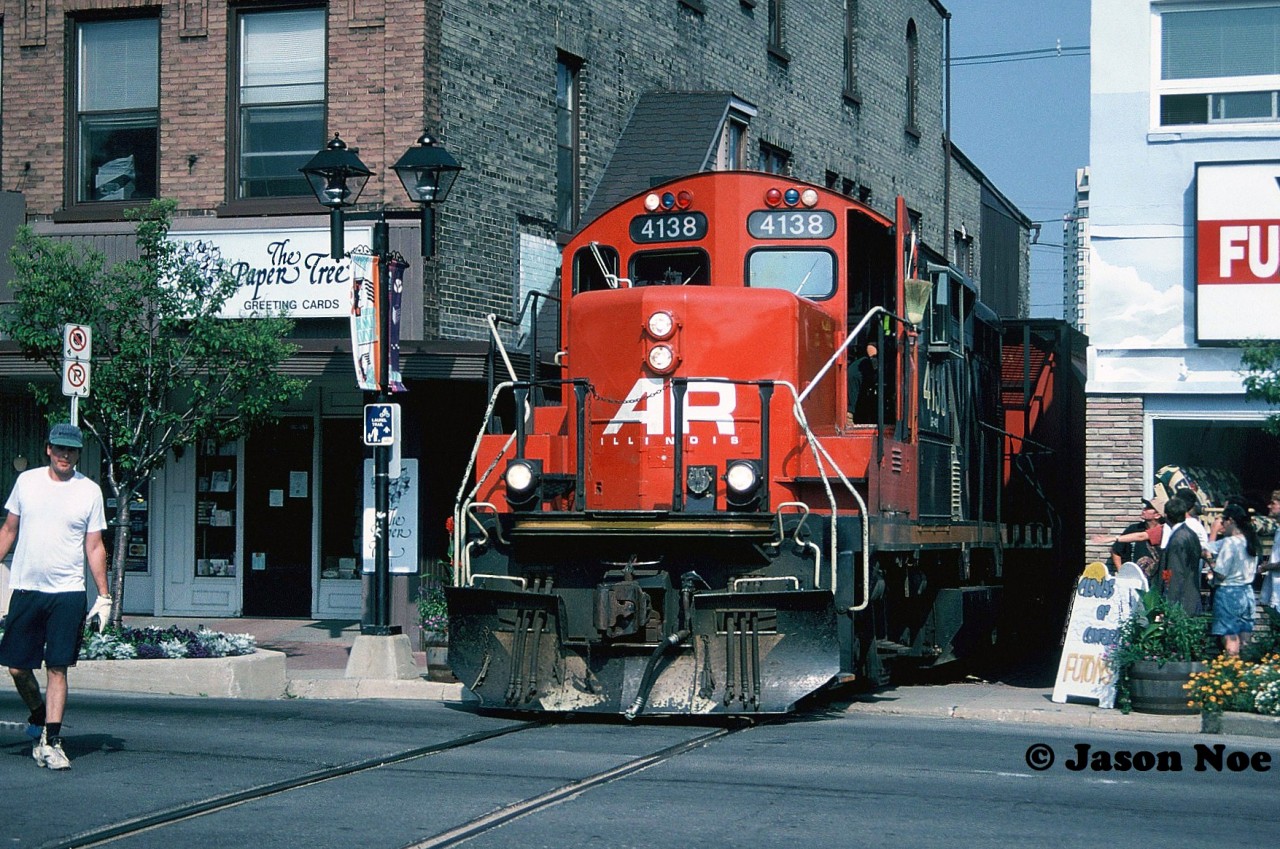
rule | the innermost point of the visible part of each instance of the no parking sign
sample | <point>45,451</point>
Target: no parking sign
<point>77,348</point>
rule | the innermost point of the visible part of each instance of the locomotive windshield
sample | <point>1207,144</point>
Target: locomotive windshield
<point>671,268</point>
<point>807,272</point>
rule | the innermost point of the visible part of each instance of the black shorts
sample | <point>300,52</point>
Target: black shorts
<point>43,627</point>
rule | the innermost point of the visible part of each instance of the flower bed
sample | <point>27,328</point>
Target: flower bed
<point>161,643</point>
<point>1232,684</point>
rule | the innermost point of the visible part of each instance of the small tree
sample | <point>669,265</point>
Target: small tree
<point>1261,363</point>
<point>166,370</point>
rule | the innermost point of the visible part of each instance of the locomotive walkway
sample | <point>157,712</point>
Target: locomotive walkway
<point>315,652</point>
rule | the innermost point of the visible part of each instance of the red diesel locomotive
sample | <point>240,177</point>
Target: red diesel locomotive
<point>695,516</point>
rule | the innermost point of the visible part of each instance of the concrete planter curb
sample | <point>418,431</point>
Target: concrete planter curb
<point>1247,724</point>
<point>259,675</point>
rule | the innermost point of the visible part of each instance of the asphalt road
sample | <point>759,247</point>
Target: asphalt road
<point>823,779</point>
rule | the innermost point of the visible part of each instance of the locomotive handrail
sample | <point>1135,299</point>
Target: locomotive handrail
<point>816,446</point>
<point>853,334</point>
<point>515,579</point>
<point>464,549</point>
<point>808,544</point>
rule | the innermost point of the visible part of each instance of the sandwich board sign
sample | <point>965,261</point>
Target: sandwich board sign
<point>1100,605</point>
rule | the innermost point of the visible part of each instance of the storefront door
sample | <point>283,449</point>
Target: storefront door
<point>278,498</point>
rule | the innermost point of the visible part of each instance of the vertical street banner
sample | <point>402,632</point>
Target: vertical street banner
<point>1100,605</point>
<point>402,523</point>
<point>395,294</point>
<point>366,323</point>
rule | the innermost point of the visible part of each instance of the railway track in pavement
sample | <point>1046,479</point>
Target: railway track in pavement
<point>153,825</point>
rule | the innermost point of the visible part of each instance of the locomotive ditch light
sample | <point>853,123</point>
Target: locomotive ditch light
<point>661,324</point>
<point>742,483</point>
<point>661,358</point>
<point>524,483</point>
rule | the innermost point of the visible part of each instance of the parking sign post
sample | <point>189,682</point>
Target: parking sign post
<point>77,351</point>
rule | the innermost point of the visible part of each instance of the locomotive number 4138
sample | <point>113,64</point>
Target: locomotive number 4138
<point>677,227</point>
<point>771,224</point>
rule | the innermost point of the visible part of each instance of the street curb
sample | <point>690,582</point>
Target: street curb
<point>260,675</point>
<point>374,688</point>
<point>1083,716</point>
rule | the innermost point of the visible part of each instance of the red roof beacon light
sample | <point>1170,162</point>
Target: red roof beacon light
<point>773,197</point>
<point>684,199</point>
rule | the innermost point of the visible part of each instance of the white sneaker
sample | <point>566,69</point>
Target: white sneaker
<point>50,755</point>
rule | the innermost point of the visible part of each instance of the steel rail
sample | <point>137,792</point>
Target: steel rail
<point>191,810</point>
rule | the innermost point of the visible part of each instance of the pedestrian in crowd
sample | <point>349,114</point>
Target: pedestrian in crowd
<point>1192,521</point>
<point>1233,569</point>
<point>1139,542</point>
<point>57,520</point>
<point>1139,549</point>
<point>1180,559</point>
<point>1271,570</point>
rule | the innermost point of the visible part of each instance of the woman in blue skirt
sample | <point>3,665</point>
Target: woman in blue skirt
<point>1234,565</point>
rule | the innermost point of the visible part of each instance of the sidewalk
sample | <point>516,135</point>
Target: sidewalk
<point>315,659</point>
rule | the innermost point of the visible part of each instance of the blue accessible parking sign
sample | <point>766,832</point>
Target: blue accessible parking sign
<point>379,424</point>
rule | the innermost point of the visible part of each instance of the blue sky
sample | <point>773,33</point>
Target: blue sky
<point>1025,121</point>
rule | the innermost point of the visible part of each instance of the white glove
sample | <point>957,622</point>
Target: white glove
<point>101,611</point>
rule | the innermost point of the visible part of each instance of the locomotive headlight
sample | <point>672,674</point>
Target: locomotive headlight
<point>744,484</point>
<point>661,358</point>
<point>661,324</point>
<point>523,478</point>
<point>742,476</point>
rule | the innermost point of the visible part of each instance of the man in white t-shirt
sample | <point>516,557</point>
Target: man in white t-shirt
<point>57,519</point>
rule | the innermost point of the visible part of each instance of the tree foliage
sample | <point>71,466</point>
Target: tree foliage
<point>166,370</point>
<point>1260,362</point>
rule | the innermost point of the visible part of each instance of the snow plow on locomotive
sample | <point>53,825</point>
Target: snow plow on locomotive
<point>695,516</point>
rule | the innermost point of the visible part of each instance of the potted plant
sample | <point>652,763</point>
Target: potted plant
<point>1160,645</point>
<point>433,618</point>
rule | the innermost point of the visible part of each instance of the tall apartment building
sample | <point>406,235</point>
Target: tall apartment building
<point>1075,257</point>
<point>1184,213</point>
<point>555,109</point>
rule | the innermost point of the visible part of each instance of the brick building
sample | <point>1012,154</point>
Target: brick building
<point>555,109</point>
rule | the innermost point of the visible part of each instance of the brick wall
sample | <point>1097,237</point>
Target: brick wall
<point>482,77</point>
<point>1113,467</point>
<point>498,88</point>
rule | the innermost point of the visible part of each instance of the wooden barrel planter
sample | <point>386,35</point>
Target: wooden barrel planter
<point>436,646</point>
<point>1156,688</point>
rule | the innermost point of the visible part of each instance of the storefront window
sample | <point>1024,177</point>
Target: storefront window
<point>216,510</point>
<point>341,504</point>
<point>136,551</point>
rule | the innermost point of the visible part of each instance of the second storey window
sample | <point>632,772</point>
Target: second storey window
<point>568,178</point>
<point>281,93</point>
<point>117,137</point>
<point>1219,65</point>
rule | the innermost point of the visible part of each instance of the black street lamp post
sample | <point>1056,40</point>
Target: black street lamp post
<point>337,176</point>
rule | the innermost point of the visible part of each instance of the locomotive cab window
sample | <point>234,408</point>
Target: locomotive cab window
<point>671,268</point>
<point>588,276</point>
<point>807,272</point>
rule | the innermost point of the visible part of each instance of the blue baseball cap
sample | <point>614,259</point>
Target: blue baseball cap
<point>67,435</point>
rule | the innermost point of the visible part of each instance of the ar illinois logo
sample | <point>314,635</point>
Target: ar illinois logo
<point>649,412</point>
